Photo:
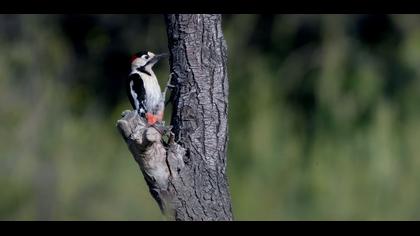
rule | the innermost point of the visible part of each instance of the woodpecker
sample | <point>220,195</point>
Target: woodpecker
<point>143,88</point>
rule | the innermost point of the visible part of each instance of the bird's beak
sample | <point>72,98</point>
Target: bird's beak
<point>157,57</point>
<point>162,55</point>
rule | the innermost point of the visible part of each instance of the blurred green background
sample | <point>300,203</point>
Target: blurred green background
<point>324,116</point>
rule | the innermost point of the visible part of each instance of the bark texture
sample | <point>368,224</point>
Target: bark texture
<point>187,176</point>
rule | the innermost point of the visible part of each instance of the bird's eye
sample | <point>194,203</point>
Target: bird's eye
<point>146,57</point>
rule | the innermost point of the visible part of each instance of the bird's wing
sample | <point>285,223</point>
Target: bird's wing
<point>138,88</point>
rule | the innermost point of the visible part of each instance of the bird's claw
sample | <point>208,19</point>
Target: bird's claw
<point>162,128</point>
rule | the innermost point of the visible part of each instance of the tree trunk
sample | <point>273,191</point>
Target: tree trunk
<point>187,176</point>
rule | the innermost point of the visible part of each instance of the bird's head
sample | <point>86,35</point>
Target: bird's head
<point>145,59</point>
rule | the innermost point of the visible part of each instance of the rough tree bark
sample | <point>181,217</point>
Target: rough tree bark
<point>187,175</point>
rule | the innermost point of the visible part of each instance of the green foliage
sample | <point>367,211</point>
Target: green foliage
<point>323,118</point>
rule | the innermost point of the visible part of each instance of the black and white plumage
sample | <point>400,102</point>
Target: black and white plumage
<point>143,88</point>
<point>136,92</point>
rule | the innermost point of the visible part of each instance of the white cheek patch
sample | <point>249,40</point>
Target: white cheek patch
<point>139,62</point>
